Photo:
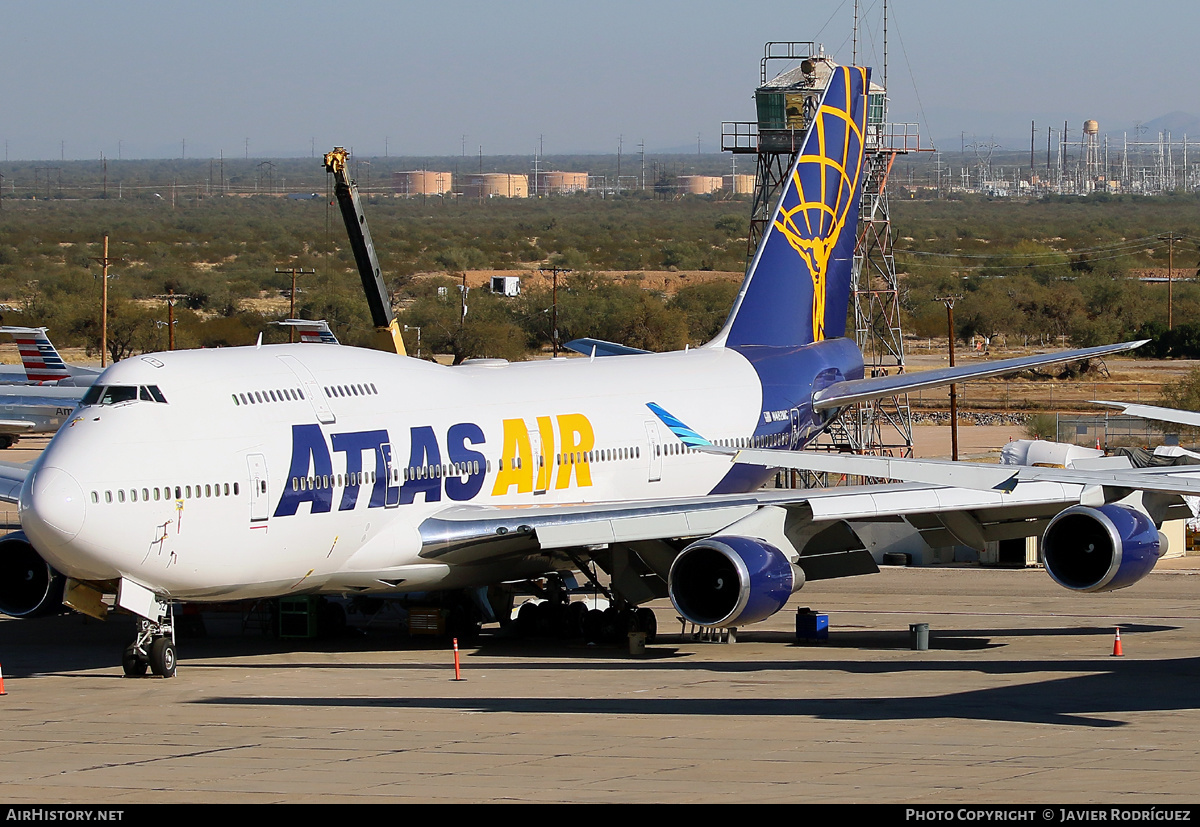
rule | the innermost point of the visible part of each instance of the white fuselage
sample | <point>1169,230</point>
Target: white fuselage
<point>309,468</point>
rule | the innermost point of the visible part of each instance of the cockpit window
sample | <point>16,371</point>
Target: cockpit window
<point>115,394</point>
<point>118,393</point>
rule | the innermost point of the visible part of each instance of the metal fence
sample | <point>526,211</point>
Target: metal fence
<point>1025,395</point>
<point>1117,430</point>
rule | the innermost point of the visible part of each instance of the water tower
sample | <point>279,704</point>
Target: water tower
<point>1093,168</point>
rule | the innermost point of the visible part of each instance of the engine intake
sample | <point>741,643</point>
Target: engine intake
<point>1100,549</point>
<point>731,580</point>
<point>29,587</point>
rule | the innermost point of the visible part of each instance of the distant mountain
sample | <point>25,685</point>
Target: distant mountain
<point>1177,123</point>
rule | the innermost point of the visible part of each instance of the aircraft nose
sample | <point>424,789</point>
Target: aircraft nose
<point>52,506</point>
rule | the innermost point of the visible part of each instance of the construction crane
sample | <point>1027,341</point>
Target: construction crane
<point>386,326</point>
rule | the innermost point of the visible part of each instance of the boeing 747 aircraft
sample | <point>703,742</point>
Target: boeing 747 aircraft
<point>216,475</point>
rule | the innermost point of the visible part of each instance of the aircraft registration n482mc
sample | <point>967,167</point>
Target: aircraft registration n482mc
<point>252,472</point>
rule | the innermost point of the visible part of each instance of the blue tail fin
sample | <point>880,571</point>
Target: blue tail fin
<point>797,289</point>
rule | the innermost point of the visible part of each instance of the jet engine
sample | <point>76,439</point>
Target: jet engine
<point>1101,549</point>
<point>731,580</point>
<point>29,587</point>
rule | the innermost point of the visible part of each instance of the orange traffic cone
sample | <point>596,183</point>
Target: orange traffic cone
<point>2,692</point>
<point>1117,653</point>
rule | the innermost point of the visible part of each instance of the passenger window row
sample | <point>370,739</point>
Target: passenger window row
<point>182,492</point>
<point>365,389</point>
<point>760,441</point>
<point>422,472</point>
<point>455,469</point>
<point>600,455</point>
<point>265,397</point>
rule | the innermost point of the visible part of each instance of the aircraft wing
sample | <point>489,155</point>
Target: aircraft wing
<point>1182,480</point>
<point>12,477</point>
<point>840,394</point>
<point>1155,412</point>
<point>15,426</point>
<point>469,534</point>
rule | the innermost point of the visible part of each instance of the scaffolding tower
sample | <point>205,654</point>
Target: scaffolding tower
<point>786,106</point>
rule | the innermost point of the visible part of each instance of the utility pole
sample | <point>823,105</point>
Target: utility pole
<point>949,302</point>
<point>295,271</point>
<point>462,318</point>
<point>554,271</point>
<point>170,298</point>
<point>105,261</point>
<point>418,329</point>
<point>1170,238</point>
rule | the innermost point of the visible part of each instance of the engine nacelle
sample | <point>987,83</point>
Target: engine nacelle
<point>731,580</point>
<point>29,587</point>
<point>1100,549</point>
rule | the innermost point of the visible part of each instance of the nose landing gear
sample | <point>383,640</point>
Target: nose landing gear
<point>153,648</point>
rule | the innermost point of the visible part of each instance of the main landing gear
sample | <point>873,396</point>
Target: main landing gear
<point>557,616</point>
<point>153,648</point>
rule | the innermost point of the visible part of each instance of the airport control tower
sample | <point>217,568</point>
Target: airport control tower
<point>786,104</point>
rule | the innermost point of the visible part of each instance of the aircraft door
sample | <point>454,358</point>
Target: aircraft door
<point>391,491</point>
<point>654,450</point>
<point>316,396</point>
<point>541,471</point>
<point>794,415</point>
<point>259,507</point>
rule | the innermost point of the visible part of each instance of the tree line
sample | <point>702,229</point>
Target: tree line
<point>1057,270</point>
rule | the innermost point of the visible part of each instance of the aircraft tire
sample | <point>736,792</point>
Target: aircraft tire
<point>576,619</point>
<point>527,620</point>
<point>133,664</point>
<point>593,626</point>
<point>644,620</point>
<point>162,658</point>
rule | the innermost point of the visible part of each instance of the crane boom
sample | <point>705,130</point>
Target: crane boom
<point>378,300</point>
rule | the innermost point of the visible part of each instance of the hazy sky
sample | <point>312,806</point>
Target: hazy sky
<point>139,78</point>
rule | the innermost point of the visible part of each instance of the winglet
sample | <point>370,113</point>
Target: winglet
<point>685,434</point>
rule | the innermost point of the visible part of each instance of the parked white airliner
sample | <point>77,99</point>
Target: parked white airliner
<point>290,469</point>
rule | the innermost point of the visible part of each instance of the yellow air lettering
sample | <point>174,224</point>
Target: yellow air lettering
<point>546,432</point>
<point>516,447</point>
<point>577,438</point>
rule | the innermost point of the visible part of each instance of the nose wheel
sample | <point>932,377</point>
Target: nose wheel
<point>152,649</point>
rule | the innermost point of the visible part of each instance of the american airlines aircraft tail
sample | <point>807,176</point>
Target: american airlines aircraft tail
<point>290,469</point>
<point>41,361</point>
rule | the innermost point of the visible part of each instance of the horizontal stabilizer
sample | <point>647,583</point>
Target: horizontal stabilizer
<point>599,347</point>
<point>312,331</point>
<point>840,394</point>
<point>1156,413</point>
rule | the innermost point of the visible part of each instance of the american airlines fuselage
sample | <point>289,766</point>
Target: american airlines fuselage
<point>300,468</point>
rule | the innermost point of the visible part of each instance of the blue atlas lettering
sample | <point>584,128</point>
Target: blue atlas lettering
<point>423,458</point>
<point>309,453</point>
<point>456,445</point>
<point>353,444</point>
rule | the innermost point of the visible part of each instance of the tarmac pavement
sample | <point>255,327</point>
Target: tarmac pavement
<point>1018,700</point>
